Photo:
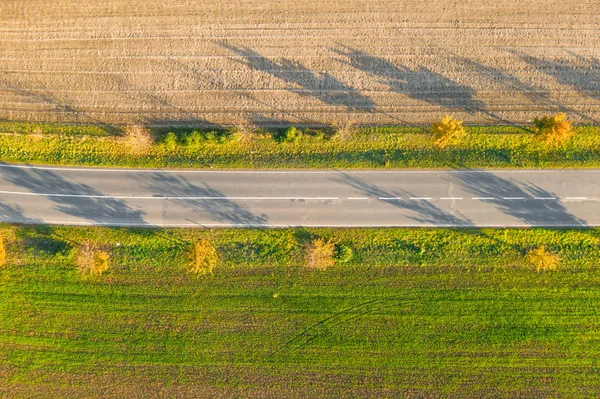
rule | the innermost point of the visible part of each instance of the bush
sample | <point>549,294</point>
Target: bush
<point>91,260</point>
<point>289,135</point>
<point>320,254</point>
<point>203,257</point>
<point>554,130</point>
<point>344,131</point>
<point>542,260</point>
<point>244,132</point>
<point>343,253</point>
<point>170,141</point>
<point>2,251</point>
<point>448,131</point>
<point>138,139</point>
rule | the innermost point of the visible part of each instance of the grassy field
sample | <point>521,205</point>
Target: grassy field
<point>377,147</point>
<point>419,313</point>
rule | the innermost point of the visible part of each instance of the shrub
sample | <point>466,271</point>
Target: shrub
<point>138,139</point>
<point>2,251</point>
<point>203,257</point>
<point>448,131</point>
<point>553,130</point>
<point>343,253</point>
<point>170,141</point>
<point>289,135</point>
<point>320,254</point>
<point>91,260</point>
<point>244,132</point>
<point>542,260</point>
<point>344,131</point>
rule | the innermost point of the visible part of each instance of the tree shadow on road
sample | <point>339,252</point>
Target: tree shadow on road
<point>74,199</point>
<point>218,208</point>
<point>426,212</point>
<point>539,212</point>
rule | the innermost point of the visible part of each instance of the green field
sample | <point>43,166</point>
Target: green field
<point>415,312</point>
<point>370,147</point>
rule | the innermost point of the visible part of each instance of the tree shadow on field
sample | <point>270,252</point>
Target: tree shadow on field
<point>426,212</point>
<point>546,211</point>
<point>207,202</point>
<point>322,86</point>
<point>74,199</point>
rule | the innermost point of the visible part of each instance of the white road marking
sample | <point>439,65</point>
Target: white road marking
<point>389,198</point>
<point>577,198</point>
<point>483,198</point>
<point>421,198</point>
<point>169,197</point>
<point>514,198</point>
<point>545,198</point>
<point>451,198</point>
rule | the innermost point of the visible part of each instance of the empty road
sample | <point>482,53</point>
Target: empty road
<point>195,198</point>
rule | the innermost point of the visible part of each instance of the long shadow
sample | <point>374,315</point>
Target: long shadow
<point>220,210</point>
<point>323,86</point>
<point>545,212</point>
<point>426,211</point>
<point>74,199</point>
<point>420,83</point>
<point>14,214</point>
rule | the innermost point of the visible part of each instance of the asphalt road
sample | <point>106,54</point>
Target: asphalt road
<point>299,198</point>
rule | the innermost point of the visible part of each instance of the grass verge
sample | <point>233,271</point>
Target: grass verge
<point>372,147</point>
<point>413,312</point>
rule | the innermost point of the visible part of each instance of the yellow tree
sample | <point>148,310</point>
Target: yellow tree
<point>448,131</point>
<point>553,130</point>
<point>203,257</point>
<point>320,254</point>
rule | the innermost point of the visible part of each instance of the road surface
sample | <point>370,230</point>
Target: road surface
<point>193,198</point>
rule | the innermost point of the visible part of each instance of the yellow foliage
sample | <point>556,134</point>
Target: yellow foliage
<point>448,131</point>
<point>203,257</point>
<point>320,254</point>
<point>138,139</point>
<point>91,260</point>
<point>553,130</point>
<point>542,260</point>
<point>2,250</point>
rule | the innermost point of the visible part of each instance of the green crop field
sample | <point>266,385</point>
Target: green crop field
<point>414,312</point>
<point>369,147</point>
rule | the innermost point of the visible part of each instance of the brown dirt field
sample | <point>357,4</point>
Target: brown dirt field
<point>302,62</point>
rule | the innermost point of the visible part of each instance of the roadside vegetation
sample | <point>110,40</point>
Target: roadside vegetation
<point>551,142</point>
<point>418,312</point>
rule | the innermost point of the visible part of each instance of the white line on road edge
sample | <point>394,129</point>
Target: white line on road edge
<point>168,198</point>
<point>389,198</point>
<point>451,198</point>
<point>514,198</point>
<point>421,198</point>
<point>545,198</point>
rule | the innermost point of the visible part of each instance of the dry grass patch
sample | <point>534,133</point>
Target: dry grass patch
<point>203,257</point>
<point>542,260</point>
<point>344,131</point>
<point>447,132</point>
<point>553,130</point>
<point>138,139</point>
<point>91,260</point>
<point>320,254</point>
<point>244,132</point>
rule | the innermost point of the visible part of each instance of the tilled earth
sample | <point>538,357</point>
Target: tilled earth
<point>215,62</point>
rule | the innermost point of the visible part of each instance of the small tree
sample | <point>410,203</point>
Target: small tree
<point>448,131</point>
<point>92,261</point>
<point>344,131</point>
<point>203,257</point>
<point>542,260</point>
<point>244,132</point>
<point>138,139</point>
<point>2,250</point>
<point>553,130</point>
<point>320,254</point>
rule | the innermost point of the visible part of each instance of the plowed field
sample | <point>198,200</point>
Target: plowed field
<point>302,62</point>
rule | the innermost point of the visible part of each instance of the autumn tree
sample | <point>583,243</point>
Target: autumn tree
<point>542,260</point>
<point>447,132</point>
<point>320,254</point>
<point>203,257</point>
<point>553,130</point>
<point>91,260</point>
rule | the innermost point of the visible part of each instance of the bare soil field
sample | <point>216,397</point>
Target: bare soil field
<point>215,62</point>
